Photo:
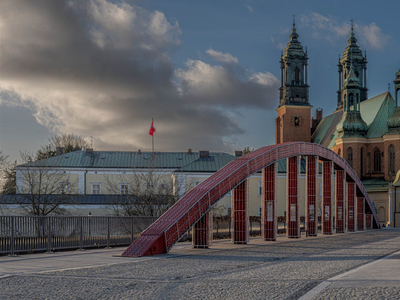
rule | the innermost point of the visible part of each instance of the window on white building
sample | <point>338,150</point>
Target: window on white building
<point>259,189</point>
<point>64,188</point>
<point>96,188</point>
<point>124,188</point>
<point>35,187</point>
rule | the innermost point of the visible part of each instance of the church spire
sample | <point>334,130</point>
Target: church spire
<point>294,62</point>
<point>352,55</point>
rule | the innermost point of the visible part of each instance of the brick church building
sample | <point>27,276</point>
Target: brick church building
<point>364,131</point>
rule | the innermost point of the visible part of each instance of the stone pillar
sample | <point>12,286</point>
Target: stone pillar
<point>281,74</point>
<point>351,195</point>
<point>327,220</point>
<point>240,233</point>
<point>360,213</point>
<point>292,205</point>
<point>311,195</point>
<point>340,200</point>
<point>201,237</point>
<point>268,215</point>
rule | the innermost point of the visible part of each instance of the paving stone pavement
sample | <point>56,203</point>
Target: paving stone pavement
<point>340,266</point>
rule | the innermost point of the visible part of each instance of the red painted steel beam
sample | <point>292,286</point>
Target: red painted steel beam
<point>351,207</point>
<point>292,193</point>
<point>201,232</point>
<point>268,214</point>
<point>327,220</point>
<point>340,200</point>
<point>239,214</point>
<point>311,195</point>
<point>360,213</point>
<point>159,237</point>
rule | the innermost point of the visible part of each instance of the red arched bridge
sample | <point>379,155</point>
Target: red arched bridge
<point>345,203</point>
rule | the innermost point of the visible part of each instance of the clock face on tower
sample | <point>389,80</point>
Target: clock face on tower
<point>296,121</point>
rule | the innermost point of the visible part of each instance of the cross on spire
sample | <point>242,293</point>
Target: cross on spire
<point>352,25</point>
<point>294,23</point>
<point>389,86</point>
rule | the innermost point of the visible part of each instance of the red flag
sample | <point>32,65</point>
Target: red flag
<point>152,129</point>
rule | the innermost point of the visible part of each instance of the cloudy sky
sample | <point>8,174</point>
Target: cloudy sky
<point>206,71</point>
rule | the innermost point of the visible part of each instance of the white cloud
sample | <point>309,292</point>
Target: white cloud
<point>249,8</point>
<point>103,69</point>
<point>222,57</point>
<point>331,28</point>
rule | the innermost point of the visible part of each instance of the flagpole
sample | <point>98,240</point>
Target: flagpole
<point>152,136</point>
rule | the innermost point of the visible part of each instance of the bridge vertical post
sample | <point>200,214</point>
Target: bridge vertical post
<point>340,200</point>
<point>311,195</point>
<point>351,194</point>
<point>292,203</point>
<point>360,213</point>
<point>240,233</point>
<point>201,232</point>
<point>268,213</point>
<point>327,220</point>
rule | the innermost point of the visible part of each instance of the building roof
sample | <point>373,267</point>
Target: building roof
<point>375,185</point>
<point>375,112</point>
<point>184,161</point>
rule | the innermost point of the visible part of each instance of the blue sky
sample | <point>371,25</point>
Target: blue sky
<point>207,71</point>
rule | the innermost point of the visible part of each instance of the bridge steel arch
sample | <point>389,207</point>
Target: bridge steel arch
<point>159,237</point>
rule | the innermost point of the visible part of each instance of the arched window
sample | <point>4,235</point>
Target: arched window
<point>340,152</point>
<point>350,156</point>
<point>296,74</point>
<point>351,99</point>
<point>377,161</point>
<point>362,161</point>
<point>392,160</point>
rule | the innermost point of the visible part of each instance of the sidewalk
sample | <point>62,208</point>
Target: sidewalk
<point>383,272</point>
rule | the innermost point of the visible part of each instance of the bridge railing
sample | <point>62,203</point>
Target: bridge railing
<point>27,234</point>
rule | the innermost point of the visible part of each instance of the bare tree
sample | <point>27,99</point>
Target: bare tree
<point>66,142</point>
<point>145,192</point>
<point>44,188</point>
<point>148,192</point>
<point>4,165</point>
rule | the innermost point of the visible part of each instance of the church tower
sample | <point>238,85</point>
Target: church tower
<point>352,123</point>
<point>359,61</point>
<point>294,111</point>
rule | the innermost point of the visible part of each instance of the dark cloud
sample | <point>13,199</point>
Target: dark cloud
<point>103,69</point>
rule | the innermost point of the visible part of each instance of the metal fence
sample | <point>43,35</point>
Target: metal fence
<point>25,234</point>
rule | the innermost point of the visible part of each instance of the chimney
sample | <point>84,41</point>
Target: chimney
<point>89,150</point>
<point>59,150</point>
<point>139,151</point>
<point>189,151</point>
<point>204,153</point>
<point>315,122</point>
<point>238,153</point>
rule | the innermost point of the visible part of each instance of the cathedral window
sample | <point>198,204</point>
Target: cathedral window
<point>377,161</point>
<point>392,159</point>
<point>296,74</point>
<point>350,156</point>
<point>351,99</point>
<point>362,161</point>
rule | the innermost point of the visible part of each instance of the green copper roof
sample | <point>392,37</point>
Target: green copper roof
<point>351,124</point>
<point>379,126</point>
<point>326,133</point>
<point>124,159</point>
<point>394,121</point>
<point>326,129</point>
<point>375,185</point>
